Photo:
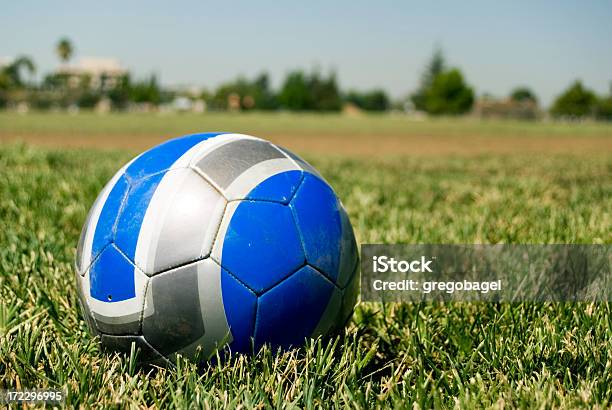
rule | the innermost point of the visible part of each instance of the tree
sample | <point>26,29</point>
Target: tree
<point>325,92</point>
<point>435,67</point>
<point>310,92</point>
<point>375,100</point>
<point>449,94</point>
<point>88,99</point>
<point>11,75</point>
<point>146,91</point>
<point>295,94</point>
<point>576,101</point>
<point>442,90</point>
<point>523,94</point>
<point>120,94</point>
<point>64,49</point>
<point>265,98</point>
<point>603,110</point>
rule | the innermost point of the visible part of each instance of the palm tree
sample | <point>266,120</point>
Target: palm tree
<point>64,49</point>
<point>12,72</point>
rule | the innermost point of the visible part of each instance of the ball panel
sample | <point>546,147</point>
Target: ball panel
<point>112,277</point>
<point>211,145</point>
<point>258,174</point>
<point>180,223</point>
<point>277,188</point>
<point>261,246</point>
<point>164,156</point>
<point>224,164</point>
<point>216,328</point>
<point>317,213</point>
<point>209,305</point>
<point>124,325</point>
<point>240,306</point>
<point>175,320</point>
<point>290,311</point>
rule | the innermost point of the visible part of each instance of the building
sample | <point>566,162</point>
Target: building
<point>4,61</point>
<point>488,107</point>
<point>97,72</point>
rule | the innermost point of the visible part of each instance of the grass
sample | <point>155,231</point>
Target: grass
<point>444,355</point>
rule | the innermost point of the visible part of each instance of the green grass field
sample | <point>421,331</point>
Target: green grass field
<point>444,355</point>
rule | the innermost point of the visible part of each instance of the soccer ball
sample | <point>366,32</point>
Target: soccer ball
<point>214,240</point>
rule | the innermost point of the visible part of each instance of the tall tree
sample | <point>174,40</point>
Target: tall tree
<point>295,93</point>
<point>435,67</point>
<point>64,49</point>
<point>325,92</point>
<point>449,94</point>
<point>265,98</point>
<point>576,101</point>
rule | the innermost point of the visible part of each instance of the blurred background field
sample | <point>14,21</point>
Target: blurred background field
<point>366,135</point>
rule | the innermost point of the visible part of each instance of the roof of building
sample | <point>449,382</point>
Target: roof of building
<point>94,66</point>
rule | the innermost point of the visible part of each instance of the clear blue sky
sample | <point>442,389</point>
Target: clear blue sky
<point>542,44</point>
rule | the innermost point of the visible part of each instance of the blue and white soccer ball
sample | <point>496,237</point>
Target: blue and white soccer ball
<point>215,239</point>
